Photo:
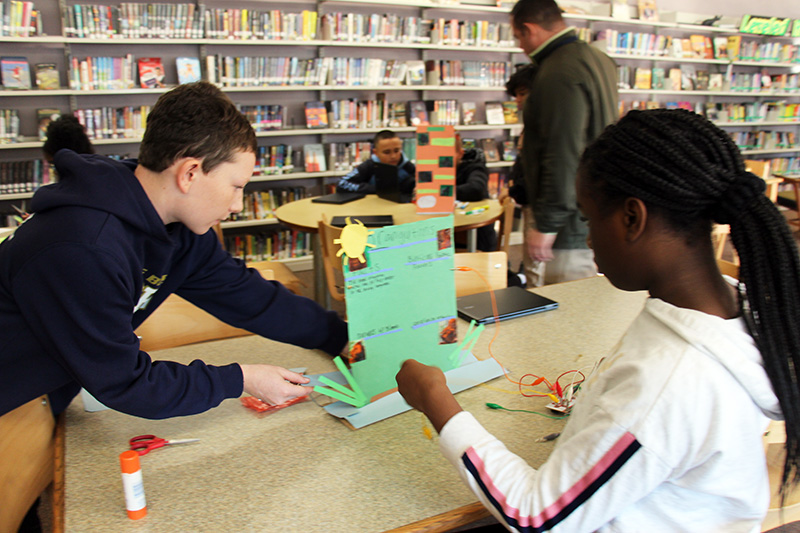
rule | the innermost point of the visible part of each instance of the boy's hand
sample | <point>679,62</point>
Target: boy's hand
<point>425,389</point>
<point>273,384</point>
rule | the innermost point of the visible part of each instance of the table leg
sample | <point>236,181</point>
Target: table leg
<point>472,240</point>
<point>321,295</point>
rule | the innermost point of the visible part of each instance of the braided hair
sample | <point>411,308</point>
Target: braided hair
<point>690,172</point>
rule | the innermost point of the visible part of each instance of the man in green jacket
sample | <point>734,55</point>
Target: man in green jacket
<point>572,98</point>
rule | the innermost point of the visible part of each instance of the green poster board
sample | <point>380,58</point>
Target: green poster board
<point>401,303</point>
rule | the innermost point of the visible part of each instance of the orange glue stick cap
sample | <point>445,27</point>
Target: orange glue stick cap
<point>132,484</point>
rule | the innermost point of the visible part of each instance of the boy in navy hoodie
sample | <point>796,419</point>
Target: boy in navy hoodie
<point>387,148</point>
<point>110,241</point>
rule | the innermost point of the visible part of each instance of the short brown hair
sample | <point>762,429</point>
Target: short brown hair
<point>544,13</point>
<point>194,120</point>
<point>383,135</point>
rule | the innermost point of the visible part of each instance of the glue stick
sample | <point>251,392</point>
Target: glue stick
<point>132,484</point>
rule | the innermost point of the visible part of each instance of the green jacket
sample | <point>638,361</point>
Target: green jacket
<point>573,97</point>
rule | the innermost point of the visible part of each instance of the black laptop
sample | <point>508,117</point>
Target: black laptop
<point>511,303</point>
<point>387,183</point>
<point>338,198</point>
<point>370,221</point>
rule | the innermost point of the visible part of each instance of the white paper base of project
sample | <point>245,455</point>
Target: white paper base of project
<point>472,372</point>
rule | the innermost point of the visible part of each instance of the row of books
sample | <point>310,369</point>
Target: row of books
<point>190,21</point>
<point>126,122</point>
<point>25,176</point>
<point>695,47</point>
<point>20,19</point>
<point>354,113</point>
<point>469,73</point>
<point>785,165</point>
<point>687,78</point>
<point>764,140</point>
<point>389,28</point>
<point>9,126</point>
<point>261,205</point>
<point>284,244</point>
<point>726,112</point>
<point>264,117</point>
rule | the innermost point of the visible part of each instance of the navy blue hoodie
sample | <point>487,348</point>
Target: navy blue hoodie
<point>86,269</point>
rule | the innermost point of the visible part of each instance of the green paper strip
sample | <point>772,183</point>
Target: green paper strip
<point>337,386</point>
<point>427,191</point>
<point>349,377</point>
<point>443,176</point>
<point>447,141</point>
<point>435,128</point>
<point>434,162</point>
<point>336,396</point>
<point>470,338</point>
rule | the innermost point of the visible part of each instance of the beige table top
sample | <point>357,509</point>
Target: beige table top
<point>304,214</point>
<point>300,469</point>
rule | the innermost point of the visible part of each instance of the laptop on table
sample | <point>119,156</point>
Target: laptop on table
<point>387,184</point>
<point>512,302</point>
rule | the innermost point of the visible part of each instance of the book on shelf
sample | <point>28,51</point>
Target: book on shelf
<point>44,117</point>
<point>658,79</point>
<point>644,78</point>
<point>490,150</point>
<point>734,46</point>
<point>720,47</point>
<point>16,72</point>
<point>46,76</point>
<point>418,113</point>
<point>468,143</point>
<point>623,77</point>
<point>687,79</point>
<point>701,80</point>
<point>509,150</point>
<point>675,79</point>
<point>648,11</point>
<point>510,112</point>
<point>151,72</point>
<point>188,69</point>
<point>715,81</point>
<point>494,113</point>
<point>468,110</point>
<point>316,115</point>
<point>314,157</point>
<point>397,115</point>
<point>415,73</point>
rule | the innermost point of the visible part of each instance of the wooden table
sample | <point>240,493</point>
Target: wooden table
<point>304,215</point>
<point>300,469</point>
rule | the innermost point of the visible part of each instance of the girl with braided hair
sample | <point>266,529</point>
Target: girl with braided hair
<point>667,435</point>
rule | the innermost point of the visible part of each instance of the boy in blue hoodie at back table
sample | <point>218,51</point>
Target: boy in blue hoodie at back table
<point>112,239</point>
<point>387,148</point>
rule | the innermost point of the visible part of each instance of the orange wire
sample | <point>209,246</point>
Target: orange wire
<point>519,383</point>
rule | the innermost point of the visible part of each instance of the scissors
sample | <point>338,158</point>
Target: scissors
<point>143,444</point>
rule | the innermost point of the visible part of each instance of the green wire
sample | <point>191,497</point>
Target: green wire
<point>495,406</point>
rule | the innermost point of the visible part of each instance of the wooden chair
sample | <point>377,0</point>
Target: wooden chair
<point>762,170</point>
<point>31,460</point>
<point>792,199</point>
<point>493,266</point>
<point>719,236</point>
<point>331,264</point>
<point>506,224</point>
<point>727,268</point>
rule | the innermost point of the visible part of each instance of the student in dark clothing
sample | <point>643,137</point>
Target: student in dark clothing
<point>472,185</point>
<point>66,132</point>
<point>387,148</point>
<point>111,240</point>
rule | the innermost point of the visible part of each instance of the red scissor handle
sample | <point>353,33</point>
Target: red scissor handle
<point>145,443</point>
